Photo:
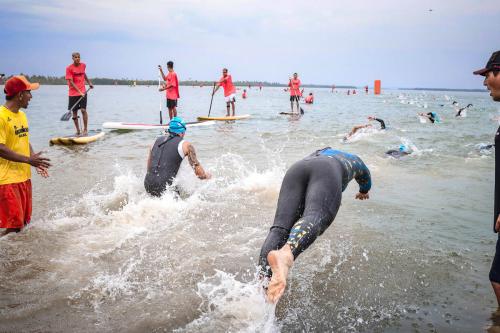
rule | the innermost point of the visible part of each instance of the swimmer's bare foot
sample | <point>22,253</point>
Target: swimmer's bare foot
<point>280,261</point>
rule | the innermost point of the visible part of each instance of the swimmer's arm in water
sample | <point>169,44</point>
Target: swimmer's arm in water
<point>363,178</point>
<point>382,123</point>
<point>193,161</point>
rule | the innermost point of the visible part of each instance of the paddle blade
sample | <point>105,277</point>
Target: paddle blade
<point>301,111</point>
<point>66,116</point>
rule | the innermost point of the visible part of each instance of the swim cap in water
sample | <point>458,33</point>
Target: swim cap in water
<point>403,148</point>
<point>177,125</point>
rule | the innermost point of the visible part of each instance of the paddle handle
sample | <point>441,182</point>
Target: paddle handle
<point>161,99</point>
<point>211,100</point>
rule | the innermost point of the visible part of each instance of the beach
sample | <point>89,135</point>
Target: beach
<point>101,255</point>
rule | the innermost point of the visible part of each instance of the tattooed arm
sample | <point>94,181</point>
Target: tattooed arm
<point>193,161</point>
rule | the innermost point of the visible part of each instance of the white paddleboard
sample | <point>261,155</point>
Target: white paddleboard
<point>142,126</point>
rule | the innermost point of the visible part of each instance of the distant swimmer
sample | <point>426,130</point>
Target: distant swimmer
<point>226,81</point>
<point>244,95</point>
<point>166,156</point>
<point>354,130</point>
<point>382,123</point>
<point>294,87</point>
<point>366,89</point>
<point>403,150</point>
<point>310,98</point>
<point>432,116</point>
<point>461,110</point>
<point>308,202</point>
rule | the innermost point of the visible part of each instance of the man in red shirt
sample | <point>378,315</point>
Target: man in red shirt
<point>226,81</point>
<point>76,77</point>
<point>294,85</point>
<point>172,87</point>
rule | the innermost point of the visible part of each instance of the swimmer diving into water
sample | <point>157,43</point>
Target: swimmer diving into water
<point>358,127</point>
<point>403,150</point>
<point>432,116</point>
<point>308,202</point>
<point>459,112</point>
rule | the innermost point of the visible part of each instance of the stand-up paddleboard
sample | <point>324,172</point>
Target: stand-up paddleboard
<point>244,116</point>
<point>77,140</point>
<point>140,126</point>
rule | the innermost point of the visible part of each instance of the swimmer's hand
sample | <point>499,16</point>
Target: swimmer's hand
<point>497,224</point>
<point>365,196</point>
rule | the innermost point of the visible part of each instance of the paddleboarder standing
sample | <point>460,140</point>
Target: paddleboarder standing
<point>76,77</point>
<point>17,156</point>
<point>171,85</point>
<point>294,85</point>
<point>226,81</point>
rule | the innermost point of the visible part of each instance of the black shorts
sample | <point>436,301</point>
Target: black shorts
<point>495,265</point>
<point>82,104</point>
<point>171,103</point>
<point>294,98</point>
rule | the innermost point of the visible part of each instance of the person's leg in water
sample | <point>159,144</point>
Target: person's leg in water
<point>85,117</point>
<point>320,205</point>
<point>233,106</point>
<point>227,107</point>
<point>75,120</point>
<point>170,113</point>
<point>290,208</point>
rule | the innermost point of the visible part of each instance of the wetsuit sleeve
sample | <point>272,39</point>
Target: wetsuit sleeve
<point>382,124</point>
<point>363,177</point>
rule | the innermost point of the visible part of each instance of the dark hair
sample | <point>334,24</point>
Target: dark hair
<point>8,98</point>
<point>170,64</point>
<point>495,73</point>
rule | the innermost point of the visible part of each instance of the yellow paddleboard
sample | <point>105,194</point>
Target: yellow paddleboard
<point>76,140</point>
<point>244,116</point>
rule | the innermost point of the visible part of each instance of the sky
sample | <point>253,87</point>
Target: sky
<point>404,43</point>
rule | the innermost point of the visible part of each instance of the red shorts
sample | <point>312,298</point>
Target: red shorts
<point>15,205</point>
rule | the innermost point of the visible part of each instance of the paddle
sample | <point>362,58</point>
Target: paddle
<point>211,100</point>
<point>67,115</point>
<point>161,99</point>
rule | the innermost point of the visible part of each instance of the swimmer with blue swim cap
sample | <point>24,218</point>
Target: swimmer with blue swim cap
<point>166,156</point>
<point>403,150</point>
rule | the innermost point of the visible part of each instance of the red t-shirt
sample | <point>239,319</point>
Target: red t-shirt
<point>309,99</point>
<point>172,81</point>
<point>227,84</point>
<point>77,73</point>
<point>294,85</point>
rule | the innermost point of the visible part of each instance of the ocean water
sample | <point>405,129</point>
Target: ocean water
<point>102,256</point>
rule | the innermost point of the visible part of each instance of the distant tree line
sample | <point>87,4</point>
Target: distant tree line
<point>55,80</point>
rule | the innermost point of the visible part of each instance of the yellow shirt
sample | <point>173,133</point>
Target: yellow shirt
<point>14,135</point>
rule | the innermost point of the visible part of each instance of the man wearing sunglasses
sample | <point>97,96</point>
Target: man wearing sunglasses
<point>166,156</point>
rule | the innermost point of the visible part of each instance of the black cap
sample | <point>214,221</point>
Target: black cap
<point>492,65</point>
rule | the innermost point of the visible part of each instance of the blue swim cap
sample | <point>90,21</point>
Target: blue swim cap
<point>177,125</point>
<point>403,148</point>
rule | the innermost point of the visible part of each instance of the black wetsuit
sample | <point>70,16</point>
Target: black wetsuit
<point>165,163</point>
<point>382,124</point>
<point>396,153</point>
<point>309,199</point>
<point>495,266</point>
<point>431,116</point>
